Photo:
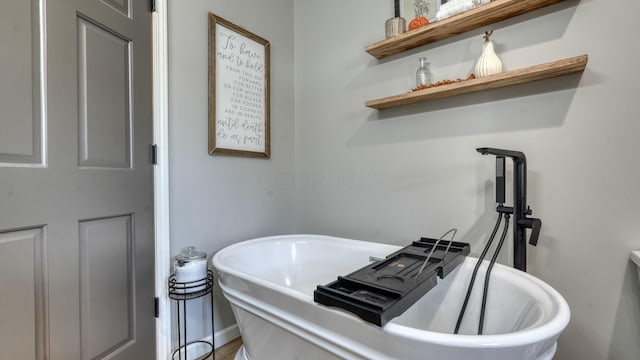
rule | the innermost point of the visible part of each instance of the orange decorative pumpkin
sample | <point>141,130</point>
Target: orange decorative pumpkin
<point>418,22</point>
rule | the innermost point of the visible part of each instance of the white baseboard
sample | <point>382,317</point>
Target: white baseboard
<point>225,336</point>
<point>222,338</point>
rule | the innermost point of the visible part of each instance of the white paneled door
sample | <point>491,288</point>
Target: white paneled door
<point>76,191</point>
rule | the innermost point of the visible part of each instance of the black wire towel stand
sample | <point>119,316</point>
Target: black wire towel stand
<point>182,292</point>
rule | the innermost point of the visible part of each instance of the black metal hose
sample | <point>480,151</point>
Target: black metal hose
<point>475,272</point>
<point>488,274</point>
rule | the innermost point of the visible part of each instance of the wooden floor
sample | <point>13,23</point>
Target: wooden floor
<point>228,351</point>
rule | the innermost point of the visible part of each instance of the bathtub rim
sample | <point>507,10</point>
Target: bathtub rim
<point>538,333</point>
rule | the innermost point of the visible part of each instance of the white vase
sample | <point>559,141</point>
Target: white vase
<point>488,63</point>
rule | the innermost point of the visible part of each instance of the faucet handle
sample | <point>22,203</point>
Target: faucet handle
<point>534,225</point>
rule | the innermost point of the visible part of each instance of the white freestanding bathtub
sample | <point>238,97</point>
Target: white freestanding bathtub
<point>270,282</point>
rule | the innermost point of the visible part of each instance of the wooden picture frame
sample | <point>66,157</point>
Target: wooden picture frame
<point>239,91</point>
<point>410,9</point>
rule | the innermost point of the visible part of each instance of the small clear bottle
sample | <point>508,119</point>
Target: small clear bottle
<point>424,75</point>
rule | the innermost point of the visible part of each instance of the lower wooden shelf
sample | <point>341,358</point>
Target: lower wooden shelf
<point>520,76</point>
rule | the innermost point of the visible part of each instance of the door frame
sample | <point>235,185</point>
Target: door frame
<point>161,177</point>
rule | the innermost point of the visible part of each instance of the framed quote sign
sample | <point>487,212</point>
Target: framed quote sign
<point>238,91</point>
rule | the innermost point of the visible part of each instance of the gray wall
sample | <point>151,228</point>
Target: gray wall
<point>217,200</point>
<point>394,175</point>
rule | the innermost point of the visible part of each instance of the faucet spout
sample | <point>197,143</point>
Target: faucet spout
<point>516,155</point>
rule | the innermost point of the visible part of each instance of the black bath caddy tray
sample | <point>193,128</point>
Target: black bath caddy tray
<point>384,289</point>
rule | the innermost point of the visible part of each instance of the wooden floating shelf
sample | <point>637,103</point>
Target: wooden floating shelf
<point>486,14</point>
<point>529,74</point>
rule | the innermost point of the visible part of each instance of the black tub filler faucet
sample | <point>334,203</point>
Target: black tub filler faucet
<point>520,210</point>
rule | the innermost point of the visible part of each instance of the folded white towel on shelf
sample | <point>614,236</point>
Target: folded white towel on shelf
<point>454,7</point>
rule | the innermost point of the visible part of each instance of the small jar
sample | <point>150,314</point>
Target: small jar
<point>394,27</point>
<point>190,267</point>
<point>424,75</point>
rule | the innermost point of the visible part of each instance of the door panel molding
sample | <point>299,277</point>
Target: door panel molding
<point>25,146</point>
<point>107,286</point>
<point>24,281</point>
<point>121,6</point>
<point>104,96</point>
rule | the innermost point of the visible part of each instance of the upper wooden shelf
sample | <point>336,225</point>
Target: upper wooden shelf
<point>532,73</point>
<point>472,19</point>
